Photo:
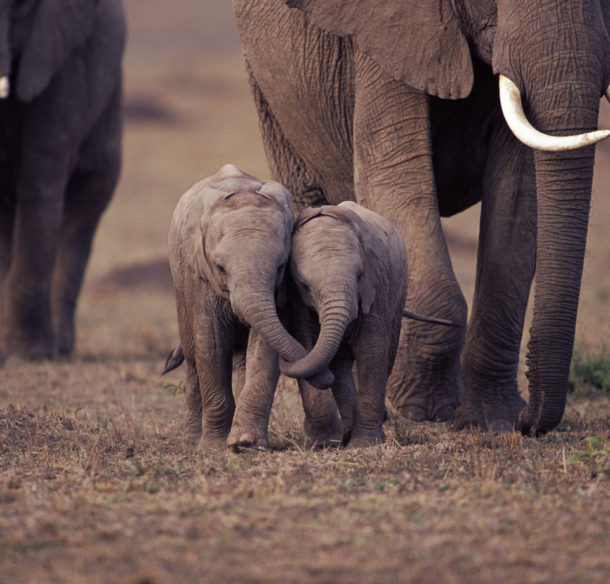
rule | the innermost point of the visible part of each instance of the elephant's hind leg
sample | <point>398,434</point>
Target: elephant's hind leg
<point>393,158</point>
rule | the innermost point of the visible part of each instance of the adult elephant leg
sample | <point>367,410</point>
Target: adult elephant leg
<point>505,268</point>
<point>38,215</point>
<point>394,176</point>
<point>88,195</point>
<point>7,217</point>
<point>256,398</point>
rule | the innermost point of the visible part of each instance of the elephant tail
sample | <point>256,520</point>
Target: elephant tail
<point>430,319</point>
<point>174,359</point>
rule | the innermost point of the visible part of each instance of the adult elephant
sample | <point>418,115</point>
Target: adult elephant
<point>60,132</point>
<point>396,105</point>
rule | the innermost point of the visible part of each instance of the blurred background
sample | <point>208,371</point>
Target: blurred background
<point>187,112</point>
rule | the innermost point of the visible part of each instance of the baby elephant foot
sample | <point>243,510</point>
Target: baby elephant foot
<point>364,440</point>
<point>244,436</point>
<point>324,433</point>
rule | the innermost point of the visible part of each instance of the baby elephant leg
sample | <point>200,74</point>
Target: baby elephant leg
<point>372,364</point>
<point>322,425</point>
<point>256,397</point>
<point>344,389</point>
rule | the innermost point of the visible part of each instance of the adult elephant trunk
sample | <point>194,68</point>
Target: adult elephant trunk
<point>335,316</point>
<point>564,193</point>
<point>563,182</point>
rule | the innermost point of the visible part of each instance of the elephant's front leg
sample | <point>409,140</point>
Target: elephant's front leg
<point>256,397</point>
<point>373,354</point>
<point>214,344</point>
<point>322,425</point>
<point>344,388</point>
<point>394,176</point>
<point>89,192</point>
<point>38,215</point>
<point>505,268</point>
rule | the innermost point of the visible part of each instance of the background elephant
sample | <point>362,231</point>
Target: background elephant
<point>396,105</point>
<point>60,125</point>
<point>229,242</point>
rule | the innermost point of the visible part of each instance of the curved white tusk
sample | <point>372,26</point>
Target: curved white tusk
<point>4,87</point>
<point>512,108</point>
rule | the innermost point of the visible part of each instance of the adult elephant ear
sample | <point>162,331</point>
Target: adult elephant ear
<point>417,41</point>
<point>58,27</point>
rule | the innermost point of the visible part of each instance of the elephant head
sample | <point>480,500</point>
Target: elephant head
<point>333,269</point>
<point>39,36</point>
<point>239,230</point>
<point>553,62</point>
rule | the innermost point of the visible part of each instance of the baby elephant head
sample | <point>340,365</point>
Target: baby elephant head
<point>245,244</point>
<point>334,259</point>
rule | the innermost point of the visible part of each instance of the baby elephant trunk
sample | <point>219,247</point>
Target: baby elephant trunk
<point>333,324</point>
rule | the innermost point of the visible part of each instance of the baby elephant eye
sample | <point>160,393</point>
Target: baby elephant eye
<point>220,268</point>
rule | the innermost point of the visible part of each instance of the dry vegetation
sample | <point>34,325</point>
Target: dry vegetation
<point>97,486</point>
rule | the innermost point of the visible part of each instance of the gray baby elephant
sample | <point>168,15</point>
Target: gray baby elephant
<point>229,242</point>
<point>349,274</point>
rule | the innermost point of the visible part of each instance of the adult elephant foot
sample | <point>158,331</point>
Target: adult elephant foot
<point>65,336</point>
<point>425,390</point>
<point>28,347</point>
<point>490,405</point>
<point>245,435</point>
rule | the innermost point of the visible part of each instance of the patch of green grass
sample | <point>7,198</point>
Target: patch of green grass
<point>596,456</point>
<point>590,373</point>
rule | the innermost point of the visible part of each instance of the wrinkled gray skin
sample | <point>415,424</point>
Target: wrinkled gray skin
<point>60,149</point>
<point>348,268</point>
<point>229,242</point>
<point>395,105</point>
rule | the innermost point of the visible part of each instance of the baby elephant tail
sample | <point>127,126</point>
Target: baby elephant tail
<point>430,319</point>
<point>174,359</point>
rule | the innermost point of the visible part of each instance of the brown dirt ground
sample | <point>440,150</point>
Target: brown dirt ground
<point>97,486</point>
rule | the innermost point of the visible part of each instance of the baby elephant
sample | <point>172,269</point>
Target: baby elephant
<point>349,274</point>
<point>229,242</point>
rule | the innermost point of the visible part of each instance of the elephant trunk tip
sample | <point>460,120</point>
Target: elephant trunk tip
<point>323,379</point>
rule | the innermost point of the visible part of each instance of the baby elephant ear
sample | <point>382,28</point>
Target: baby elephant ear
<point>416,41</point>
<point>58,27</point>
<point>280,193</point>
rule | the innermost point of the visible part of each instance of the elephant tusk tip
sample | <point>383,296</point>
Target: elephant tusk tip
<point>4,87</point>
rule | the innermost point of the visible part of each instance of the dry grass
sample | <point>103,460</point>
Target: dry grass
<point>97,486</point>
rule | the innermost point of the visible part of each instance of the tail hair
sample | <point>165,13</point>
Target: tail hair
<point>174,359</point>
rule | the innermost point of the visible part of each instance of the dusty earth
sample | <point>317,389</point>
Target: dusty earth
<point>97,486</point>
